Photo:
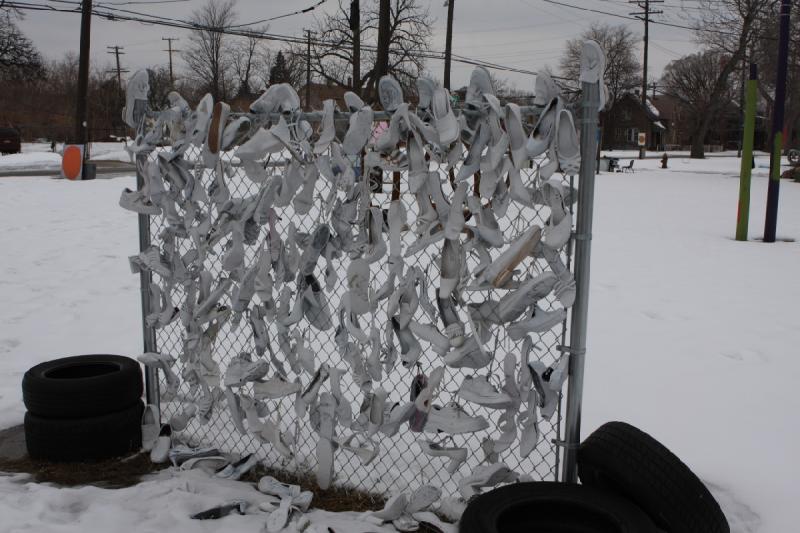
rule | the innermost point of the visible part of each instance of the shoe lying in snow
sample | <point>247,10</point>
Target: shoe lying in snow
<point>210,465</point>
<point>393,508</point>
<point>150,427</point>
<point>235,471</point>
<point>160,451</point>
<point>182,453</point>
<point>221,511</point>
<point>273,487</point>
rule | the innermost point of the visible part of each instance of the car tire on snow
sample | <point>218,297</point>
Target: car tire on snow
<point>552,507</point>
<point>84,439</point>
<point>82,386</point>
<point>621,458</point>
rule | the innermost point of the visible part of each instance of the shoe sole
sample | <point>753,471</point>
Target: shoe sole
<point>526,250</point>
<point>213,130</point>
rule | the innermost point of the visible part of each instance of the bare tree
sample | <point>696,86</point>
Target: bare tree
<point>691,80</point>
<point>332,50</point>
<point>726,27</point>
<point>208,55</point>
<point>19,58</point>
<point>249,56</point>
<point>623,70</point>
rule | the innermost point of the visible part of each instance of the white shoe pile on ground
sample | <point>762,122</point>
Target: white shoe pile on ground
<point>281,286</point>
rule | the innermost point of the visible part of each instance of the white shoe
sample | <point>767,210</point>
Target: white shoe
<point>444,118</point>
<point>274,388</point>
<point>452,260</point>
<point>545,89</point>
<point>137,202</point>
<point>235,471</point>
<point>422,498</point>
<point>410,350</point>
<point>271,486</point>
<point>567,146</point>
<point>529,422</point>
<point>516,301</point>
<point>502,269</point>
<point>393,508</point>
<point>159,453</point>
<point>365,451</point>
<point>150,427</point>
<point>430,334</point>
<point>452,419</point>
<point>593,62</point>
<point>457,456</point>
<point>542,134</point>
<point>540,322</point>
<point>325,446</point>
<point>136,92</point>
<point>485,476</point>
<point>390,93</point>
<point>548,383</point>
<point>241,371</point>
<point>478,390</point>
<point>396,416</point>
<point>468,355</point>
<point>327,128</point>
<point>455,220</point>
<point>359,132</point>
<point>516,135</point>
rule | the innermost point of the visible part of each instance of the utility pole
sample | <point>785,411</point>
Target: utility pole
<point>118,51</point>
<point>448,46</point>
<point>771,221</point>
<point>82,104</point>
<point>644,16</point>
<point>382,62</point>
<point>355,27</point>
<point>308,69</point>
<point>170,50</point>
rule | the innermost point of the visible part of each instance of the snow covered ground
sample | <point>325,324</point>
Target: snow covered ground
<point>693,336</point>
<point>39,156</point>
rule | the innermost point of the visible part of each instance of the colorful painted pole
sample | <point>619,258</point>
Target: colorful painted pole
<point>771,221</point>
<point>751,94</point>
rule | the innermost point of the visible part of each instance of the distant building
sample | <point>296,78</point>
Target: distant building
<point>629,117</point>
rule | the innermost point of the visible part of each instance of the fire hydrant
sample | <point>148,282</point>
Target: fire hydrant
<point>664,159</point>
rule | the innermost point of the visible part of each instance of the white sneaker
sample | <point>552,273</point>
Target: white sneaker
<point>468,355</point>
<point>478,390</point>
<point>516,301</point>
<point>150,427</point>
<point>274,388</point>
<point>453,420</point>
<point>137,202</point>
<point>457,456</point>
<point>235,471</point>
<point>273,487</point>
<point>540,322</point>
<point>485,476</point>
<point>452,260</point>
<point>548,382</point>
<point>422,498</point>
<point>159,453</point>
<point>241,370</point>
<point>396,415</point>
<point>430,334</point>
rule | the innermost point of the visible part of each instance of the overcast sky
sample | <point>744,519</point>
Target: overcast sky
<point>527,34</point>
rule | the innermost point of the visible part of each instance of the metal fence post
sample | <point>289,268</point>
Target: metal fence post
<point>583,242</point>
<point>152,395</point>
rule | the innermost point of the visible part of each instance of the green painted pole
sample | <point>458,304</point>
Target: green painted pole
<point>751,94</point>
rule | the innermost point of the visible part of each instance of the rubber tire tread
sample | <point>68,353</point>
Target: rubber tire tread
<point>84,439</point>
<point>624,459</point>
<point>552,507</point>
<point>82,397</point>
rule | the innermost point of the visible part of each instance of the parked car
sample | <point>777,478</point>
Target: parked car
<point>10,141</point>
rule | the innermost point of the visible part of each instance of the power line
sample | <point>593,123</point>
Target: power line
<point>120,15</point>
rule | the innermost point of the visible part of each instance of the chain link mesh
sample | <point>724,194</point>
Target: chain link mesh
<point>400,464</point>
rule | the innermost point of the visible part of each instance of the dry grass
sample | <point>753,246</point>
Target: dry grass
<point>113,473</point>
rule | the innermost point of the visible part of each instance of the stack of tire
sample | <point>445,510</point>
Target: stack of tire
<point>631,483</point>
<point>83,408</point>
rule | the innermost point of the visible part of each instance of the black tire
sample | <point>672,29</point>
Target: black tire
<point>554,508</point>
<point>84,439</point>
<point>628,461</point>
<point>82,386</point>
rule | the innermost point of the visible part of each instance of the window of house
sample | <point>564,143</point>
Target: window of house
<point>632,135</point>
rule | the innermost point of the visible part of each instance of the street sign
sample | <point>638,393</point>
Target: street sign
<point>642,139</point>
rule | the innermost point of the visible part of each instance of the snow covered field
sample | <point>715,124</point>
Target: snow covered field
<point>39,156</point>
<point>693,337</point>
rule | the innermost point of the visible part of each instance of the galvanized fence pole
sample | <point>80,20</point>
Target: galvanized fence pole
<point>583,243</point>
<point>152,395</point>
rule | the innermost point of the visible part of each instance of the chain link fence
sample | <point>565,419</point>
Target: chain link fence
<point>400,463</point>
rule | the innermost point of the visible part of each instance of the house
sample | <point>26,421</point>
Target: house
<point>627,119</point>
